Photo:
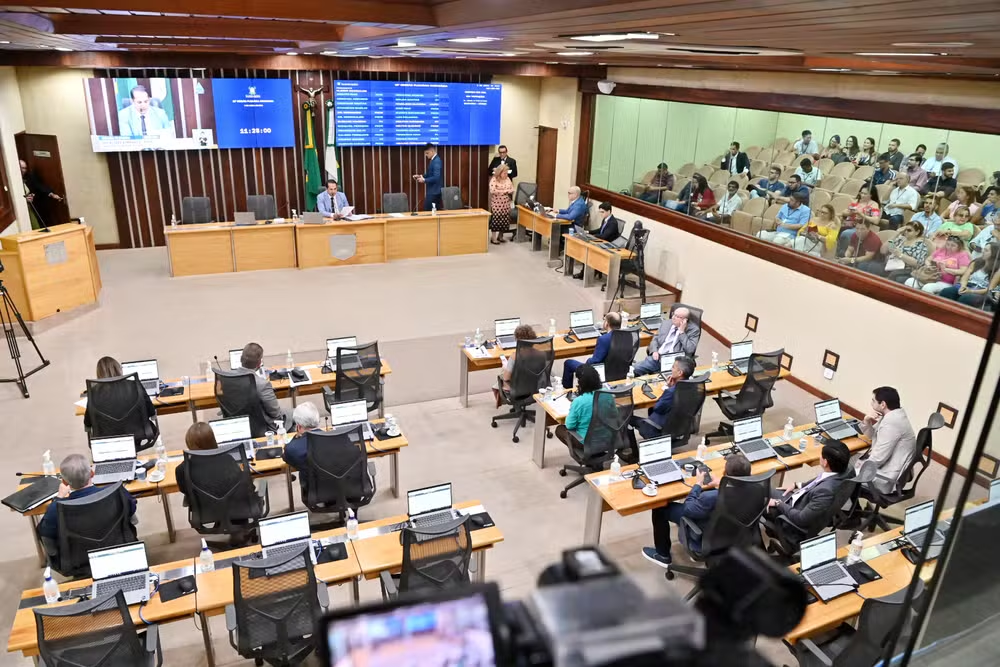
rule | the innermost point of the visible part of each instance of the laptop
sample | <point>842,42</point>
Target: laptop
<point>656,461</point>
<point>747,437</point>
<point>739,355</point>
<point>994,496</point>
<point>821,569</point>
<point>114,459</point>
<point>651,315</point>
<point>916,523</point>
<point>351,413</point>
<point>581,323</point>
<point>600,371</point>
<point>232,431</point>
<point>334,344</point>
<point>149,375</point>
<point>236,359</point>
<point>667,362</point>
<point>505,332</point>
<point>243,218</point>
<point>121,568</point>
<point>312,218</point>
<point>286,534</point>
<point>430,506</point>
<point>829,418</point>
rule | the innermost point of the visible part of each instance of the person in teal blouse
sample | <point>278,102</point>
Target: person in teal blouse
<point>581,409</point>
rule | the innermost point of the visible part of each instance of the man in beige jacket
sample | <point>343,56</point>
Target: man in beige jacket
<point>893,441</point>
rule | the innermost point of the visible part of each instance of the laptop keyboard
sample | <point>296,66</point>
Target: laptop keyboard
<point>114,467</point>
<point>281,550</point>
<point>432,520</point>
<point>754,446</point>
<point>659,468</point>
<point>125,584</point>
<point>826,574</point>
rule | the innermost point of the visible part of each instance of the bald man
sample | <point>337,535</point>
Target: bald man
<point>681,336</point>
<point>576,211</point>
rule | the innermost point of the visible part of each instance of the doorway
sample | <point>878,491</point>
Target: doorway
<point>41,153</point>
<point>546,164</point>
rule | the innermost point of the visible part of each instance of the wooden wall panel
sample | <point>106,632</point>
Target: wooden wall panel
<point>147,187</point>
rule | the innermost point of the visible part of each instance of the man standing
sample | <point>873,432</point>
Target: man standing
<point>432,178</point>
<point>682,335</point>
<point>34,190</point>
<point>140,118</point>
<point>918,175</point>
<point>893,441</point>
<point>902,198</point>
<point>806,145</point>
<point>612,321</point>
<point>503,158</point>
<point>736,162</point>
<point>895,155</point>
<point>331,201</point>
<point>576,211</point>
<point>790,219</point>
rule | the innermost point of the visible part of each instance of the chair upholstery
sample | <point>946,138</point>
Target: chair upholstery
<point>852,187</point>
<point>755,394</point>
<point>196,210</point>
<point>743,219</point>
<point>971,176</point>
<point>640,186</point>
<point>824,164</point>
<point>533,359</point>
<point>758,168</point>
<point>752,151</point>
<point>451,198</point>
<point>720,178</point>
<point>781,144</point>
<point>787,159</point>
<point>263,207</point>
<point>361,379</point>
<point>883,190</point>
<point>840,202</point>
<point>695,313</point>
<point>686,170</point>
<point>606,434</point>
<point>237,395</point>
<point>119,406</point>
<point>434,559</point>
<point>336,474</point>
<point>788,171</point>
<point>102,519</point>
<point>621,355</point>
<point>844,170</point>
<point>863,173</point>
<point>395,202</point>
<point>818,198</point>
<point>789,535</point>
<point>222,498</point>
<point>831,182</point>
<point>684,418</point>
<point>769,217</point>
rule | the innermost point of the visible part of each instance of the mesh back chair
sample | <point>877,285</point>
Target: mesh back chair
<point>95,633</point>
<point>222,498</point>
<point>451,197</point>
<point>102,519</point>
<point>336,474</point>
<point>195,210</point>
<point>755,394</point>
<point>621,355</point>
<point>533,359</point>
<point>524,194</point>
<point>395,202</point>
<point>606,434</point>
<point>788,536</point>
<point>276,606</point>
<point>735,522</point>
<point>119,405</point>
<point>236,393</point>
<point>359,375</point>
<point>262,206</point>
<point>434,558</point>
<point>685,410</point>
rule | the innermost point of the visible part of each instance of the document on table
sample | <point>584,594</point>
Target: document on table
<point>82,403</point>
<point>560,406</point>
<point>396,215</point>
<point>478,352</point>
<point>360,216</point>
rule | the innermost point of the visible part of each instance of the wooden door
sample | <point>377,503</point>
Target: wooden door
<point>41,152</point>
<point>7,194</point>
<point>546,164</point>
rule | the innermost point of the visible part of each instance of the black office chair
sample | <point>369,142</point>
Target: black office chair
<point>236,393</point>
<point>524,194</point>
<point>263,207</point>
<point>120,405</point>
<point>533,359</point>
<point>788,535</point>
<point>451,198</point>
<point>395,202</point>
<point>847,646</point>
<point>196,210</point>
<point>754,398</point>
<point>277,604</point>
<point>621,354</point>
<point>606,434</point>
<point>336,474</point>
<point>95,633</point>
<point>735,522</point>
<point>359,375</point>
<point>695,316</point>
<point>906,485</point>
<point>102,519</point>
<point>685,411</point>
<point>434,558</point>
<point>222,497</point>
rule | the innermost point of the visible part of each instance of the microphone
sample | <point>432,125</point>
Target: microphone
<point>30,474</point>
<point>217,364</point>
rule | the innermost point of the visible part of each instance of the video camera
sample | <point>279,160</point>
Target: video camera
<point>585,613</point>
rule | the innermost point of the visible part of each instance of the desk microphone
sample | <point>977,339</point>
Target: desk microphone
<point>217,364</point>
<point>30,474</point>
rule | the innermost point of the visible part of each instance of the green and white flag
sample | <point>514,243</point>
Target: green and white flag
<point>331,160</point>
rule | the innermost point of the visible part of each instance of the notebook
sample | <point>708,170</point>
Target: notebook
<point>33,495</point>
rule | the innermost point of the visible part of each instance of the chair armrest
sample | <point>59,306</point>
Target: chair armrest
<point>810,646</point>
<point>152,638</point>
<point>323,595</point>
<point>725,393</point>
<point>262,490</point>
<point>389,591</point>
<point>787,524</point>
<point>691,527</point>
<point>230,618</point>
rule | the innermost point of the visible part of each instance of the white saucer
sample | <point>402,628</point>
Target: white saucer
<point>155,476</point>
<point>393,433</point>
<point>650,490</point>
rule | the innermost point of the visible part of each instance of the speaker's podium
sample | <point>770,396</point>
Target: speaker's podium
<point>51,272</point>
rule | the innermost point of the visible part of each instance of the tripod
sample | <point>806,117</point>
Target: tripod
<point>637,265</point>
<point>8,314</point>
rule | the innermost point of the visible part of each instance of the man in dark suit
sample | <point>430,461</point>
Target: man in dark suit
<point>609,223</point>
<point>735,161</point>
<point>652,426</point>
<point>433,177</point>
<point>503,158</point>
<point>612,321</point>
<point>680,335</point>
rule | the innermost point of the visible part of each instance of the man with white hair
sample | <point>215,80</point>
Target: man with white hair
<point>306,418</point>
<point>682,335</point>
<point>934,165</point>
<point>576,211</point>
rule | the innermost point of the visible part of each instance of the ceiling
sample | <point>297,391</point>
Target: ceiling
<point>917,36</point>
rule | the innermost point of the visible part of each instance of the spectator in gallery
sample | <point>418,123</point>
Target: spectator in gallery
<point>943,185</point>
<point>794,187</point>
<point>695,197</point>
<point>884,173</point>
<point>736,161</point>
<point>868,154</point>
<point>928,217</point>
<point>960,225</point>
<point>722,211</point>
<point>864,209</point>
<point>851,149</point>
<point>964,196</point>
<point>820,234</point>
<point>921,150</point>
<point>662,180</point>
<point>864,245</point>
<point>942,268</point>
<point>833,150</point>
<point>903,253</point>
<point>792,217</point>
<point>809,175</point>
<point>902,198</point>
<point>806,145</point>
<point>767,187</point>
<point>979,279</point>
<point>895,155</point>
<point>918,175</point>
<point>936,164</point>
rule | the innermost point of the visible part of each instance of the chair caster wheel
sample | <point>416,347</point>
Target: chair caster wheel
<point>669,575</point>
<point>548,433</point>
<point>562,494</point>
<point>562,473</point>
<point>515,439</point>
<point>258,661</point>
<point>493,424</point>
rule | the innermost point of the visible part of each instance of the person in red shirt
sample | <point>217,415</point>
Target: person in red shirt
<point>864,245</point>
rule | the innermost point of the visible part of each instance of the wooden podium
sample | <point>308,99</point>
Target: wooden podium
<point>51,272</point>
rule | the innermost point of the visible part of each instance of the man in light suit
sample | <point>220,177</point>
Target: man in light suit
<point>682,335</point>
<point>141,119</point>
<point>331,201</point>
<point>612,321</point>
<point>433,177</point>
<point>893,441</point>
<point>250,362</point>
<point>735,161</point>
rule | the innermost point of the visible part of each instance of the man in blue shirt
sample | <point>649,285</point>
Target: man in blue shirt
<point>792,217</point>
<point>576,211</point>
<point>767,187</point>
<point>652,426</point>
<point>612,321</point>
<point>795,186</point>
<point>331,202</point>
<point>928,217</point>
<point>432,178</point>
<point>884,173</point>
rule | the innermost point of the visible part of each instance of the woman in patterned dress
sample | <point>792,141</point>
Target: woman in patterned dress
<point>501,191</point>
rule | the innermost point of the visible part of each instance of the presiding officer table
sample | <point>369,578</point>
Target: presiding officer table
<point>542,226</point>
<point>224,247</point>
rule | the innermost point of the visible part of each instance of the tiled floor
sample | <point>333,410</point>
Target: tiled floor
<point>420,311</point>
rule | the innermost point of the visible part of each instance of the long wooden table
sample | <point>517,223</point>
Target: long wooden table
<point>546,414</point>
<point>224,247</point>
<point>540,226</point>
<point>470,360</point>
<point>593,257</point>
<point>606,494</point>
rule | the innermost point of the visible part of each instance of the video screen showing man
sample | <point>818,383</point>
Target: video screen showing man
<point>144,116</point>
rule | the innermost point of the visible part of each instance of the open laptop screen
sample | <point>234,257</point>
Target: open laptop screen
<point>147,370</point>
<point>235,360</point>
<point>747,429</point>
<point>112,449</point>
<point>600,371</point>
<point>334,344</point>
<point>994,492</point>
<point>827,411</point>
<point>428,499</point>
<point>581,318</point>
<point>917,517</point>
<point>815,552</point>
<point>231,430</point>
<point>649,310</point>
<point>348,412</point>
<point>285,528</point>
<point>506,327</point>
<point>667,361</point>
<point>741,350</point>
<point>655,449</point>
<point>118,560</point>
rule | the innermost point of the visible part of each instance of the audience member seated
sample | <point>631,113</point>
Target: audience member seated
<point>806,145</point>
<point>921,150</point>
<point>809,505</point>
<point>250,364</point>
<point>864,209</point>
<point>682,335</point>
<point>885,173</point>
<point>792,217</point>
<point>942,268</point>
<point>960,225</point>
<point>833,151</point>
<point>767,187</point>
<point>522,332</point>
<point>696,197</point>
<point>697,507</point>
<point>852,150</point>
<point>901,198</point>
<point>928,217</point>
<point>936,165</point>
<point>722,211</point>
<point>735,162</point>
<point>990,210</point>
<point>904,252</point>
<point>864,245</point>
<point>980,278</point>
<point>918,176</point>
<point>662,180</point>
<point>576,211</point>
<point>809,175</point>
<point>612,321</point>
<point>964,196</point>
<point>895,155</point>
<point>820,234</point>
<point>652,426</point>
<point>867,155</point>
<point>306,418</point>
<point>942,186</point>
<point>77,481</point>
<point>989,234</point>
<point>794,187</point>
<point>199,437</point>
<point>893,440</point>
<point>581,410</point>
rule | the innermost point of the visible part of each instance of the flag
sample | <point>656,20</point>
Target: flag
<point>310,161</point>
<point>331,160</point>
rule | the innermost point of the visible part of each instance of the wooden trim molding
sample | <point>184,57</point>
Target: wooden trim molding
<point>107,246</point>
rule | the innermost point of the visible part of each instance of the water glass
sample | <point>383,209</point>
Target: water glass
<point>270,438</point>
<point>161,466</point>
<point>468,341</point>
<point>186,383</point>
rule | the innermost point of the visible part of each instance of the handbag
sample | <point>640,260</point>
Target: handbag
<point>927,274</point>
<point>894,264</point>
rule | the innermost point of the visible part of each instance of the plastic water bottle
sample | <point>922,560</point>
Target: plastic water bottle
<point>209,372</point>
<point>206,561</point>
<point>295,215</point>
<point>702,449</point>
<point>630,375</point>
<point>854,549</point>
<point>352,525</point>
<point>289,360</point>
<point>434,208</point>
<point>715,361</point>
<point>50,588</point>
<point>161,450</point>
<point>789,429</point>
<point>479,337</point>
<point>173,220</point>
<point>616,467</point>
<point>281,431</point>
<point>48,467</point>
<point>552,326</point>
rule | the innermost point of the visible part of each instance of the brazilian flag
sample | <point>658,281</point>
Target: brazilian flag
<point>310,160</point>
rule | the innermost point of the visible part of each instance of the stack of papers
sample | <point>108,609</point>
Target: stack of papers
<point>478,352</point>
<point>560,406</point>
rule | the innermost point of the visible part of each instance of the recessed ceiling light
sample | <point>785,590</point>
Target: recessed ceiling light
<point>405,43</point>
<point>328,53</point>
<point>62,48</point>
<point>615,36</point>
<point>829,69</point>
<point>290,53</point>
<point>575,53</point>
<point>4,41</point>
<point>891,54</point>
<point>551,62</point>
<point>602,63</point>
<point>459,57</point>
<point>360,48</point>
<point>473,40</point>
<point>935,45</point>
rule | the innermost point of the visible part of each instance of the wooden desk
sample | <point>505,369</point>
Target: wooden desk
<point>469,363</point>
<point>541,226</point>
<point>605,495</point>
<point>593,258</point>
<point>262,247</point>
<point>546,415</point>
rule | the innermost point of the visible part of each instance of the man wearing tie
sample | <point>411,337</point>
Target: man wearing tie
<point>609,223</point>
<point>735,161</point>
<point>682,335</point>
<point>503,158</point>
<point>331,202</point>
<point>432,178</point>
<point>140,119</point>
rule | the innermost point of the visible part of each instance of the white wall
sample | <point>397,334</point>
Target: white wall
<point>559,107</point>
<point>518,120</point>
<point>12,122</point>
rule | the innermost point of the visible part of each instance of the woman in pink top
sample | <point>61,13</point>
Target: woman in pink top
<point>964,196</point>
<point>949,262</point>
